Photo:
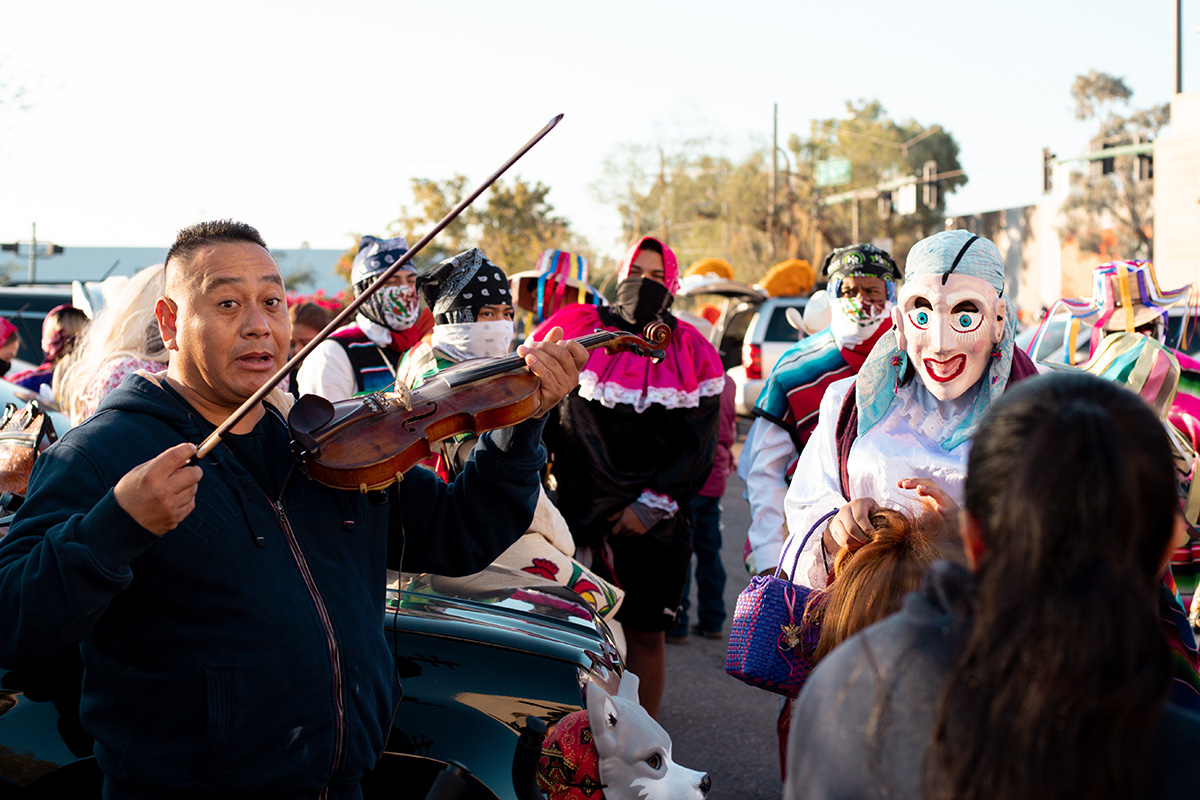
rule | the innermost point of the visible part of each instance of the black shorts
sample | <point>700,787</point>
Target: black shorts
<point>651,569</point>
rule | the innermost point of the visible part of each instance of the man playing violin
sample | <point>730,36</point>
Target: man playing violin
<point>230,614</point>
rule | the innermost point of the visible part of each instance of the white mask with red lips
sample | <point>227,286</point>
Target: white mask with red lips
<point>948,330</point>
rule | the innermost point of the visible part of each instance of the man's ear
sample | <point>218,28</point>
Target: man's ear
<point>898,328</point>
<point>167,314</point>
<point>972,539</point>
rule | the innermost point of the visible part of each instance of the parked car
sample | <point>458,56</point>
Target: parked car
<point>473,664</point>
<point>737,303</point>
<point>472,667</point>
<point>26,305</point>
<point>767,336</point>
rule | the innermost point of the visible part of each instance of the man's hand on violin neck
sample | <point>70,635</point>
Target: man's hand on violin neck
<point>160,493</point>
<point>556,364</point>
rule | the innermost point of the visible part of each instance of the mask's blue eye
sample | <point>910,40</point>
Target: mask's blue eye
<point>966,321</point>
<point>919,317</point>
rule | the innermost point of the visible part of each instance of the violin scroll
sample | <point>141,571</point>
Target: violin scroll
<point>657,337</point>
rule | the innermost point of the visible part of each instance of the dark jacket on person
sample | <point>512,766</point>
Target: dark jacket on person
<point>862,725</point>
<point>242,653</point>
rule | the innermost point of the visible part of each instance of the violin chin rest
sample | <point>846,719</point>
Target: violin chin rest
<point>310,413</point>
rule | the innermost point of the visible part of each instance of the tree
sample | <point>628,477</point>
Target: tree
<point>434,199</point>
<point>697,203</point>
<point>518,223</point>
<point>1111,211</point>
<point>514,226</point>
<point>880,149</point>
<point>707,205</point>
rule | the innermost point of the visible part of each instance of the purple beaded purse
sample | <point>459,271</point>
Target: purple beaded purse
<point>768,642</point>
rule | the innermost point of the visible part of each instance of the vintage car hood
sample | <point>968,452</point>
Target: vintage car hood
<point>504,609</point>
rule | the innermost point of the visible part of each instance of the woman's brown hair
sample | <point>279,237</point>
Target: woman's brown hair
<point>870,583</point>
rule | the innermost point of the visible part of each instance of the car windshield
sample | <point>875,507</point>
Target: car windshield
<point>778,327</point>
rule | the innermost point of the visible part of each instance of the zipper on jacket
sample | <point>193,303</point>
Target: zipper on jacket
<point>335,656</point>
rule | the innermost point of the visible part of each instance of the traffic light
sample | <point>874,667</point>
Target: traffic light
<point>10,248</point>
<point>1047,170</point>
<point>54,249</point>
<point>930,194</point>
<point>1145,167</point>
<point>1098,167</point>
<point>885,205</point>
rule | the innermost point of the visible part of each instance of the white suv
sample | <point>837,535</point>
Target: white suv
<point>768,336</point>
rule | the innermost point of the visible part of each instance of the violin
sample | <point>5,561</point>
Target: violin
<point>368,443</point>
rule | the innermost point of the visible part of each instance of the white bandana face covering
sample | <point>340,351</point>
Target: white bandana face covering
<point>853,322</point>
<point>465,340</point>
<point>948,330</point>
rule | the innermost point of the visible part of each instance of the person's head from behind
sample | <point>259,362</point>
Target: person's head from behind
<point>308,319</point>
<point>1070,513</point>
<point>224,315</point>
<point>60,331</point>
<point>1070,468</point>
<point>871,582</point>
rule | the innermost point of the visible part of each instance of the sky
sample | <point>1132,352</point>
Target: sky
<point>308,120</point>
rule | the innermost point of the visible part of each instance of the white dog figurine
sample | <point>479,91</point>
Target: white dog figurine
<point>614,746</point>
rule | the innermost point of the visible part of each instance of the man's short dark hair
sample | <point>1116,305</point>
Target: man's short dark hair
<point>219,231</point>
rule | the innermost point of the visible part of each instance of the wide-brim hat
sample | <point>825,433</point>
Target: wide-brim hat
<point>1125,295</point>
<point>1149,368</point>
<point>560,278</point>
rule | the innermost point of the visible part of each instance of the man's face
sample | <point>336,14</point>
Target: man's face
<point>225,316</point>
<point>492,313</point>
<point>648,264</point>
<point>948,331</point>
<point>871,293</point>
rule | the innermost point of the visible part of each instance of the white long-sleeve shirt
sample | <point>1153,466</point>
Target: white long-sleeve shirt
<point>904,444</point>
<point>766,454</point>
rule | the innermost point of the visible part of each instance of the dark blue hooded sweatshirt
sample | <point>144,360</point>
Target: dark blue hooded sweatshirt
<point>242,653</point>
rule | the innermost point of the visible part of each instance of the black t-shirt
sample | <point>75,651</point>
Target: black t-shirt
<point>265,451</point>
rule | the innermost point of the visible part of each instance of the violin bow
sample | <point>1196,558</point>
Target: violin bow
<point>346,313</point>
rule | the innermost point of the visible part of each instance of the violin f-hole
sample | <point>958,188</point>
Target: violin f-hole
<point>418,416</point>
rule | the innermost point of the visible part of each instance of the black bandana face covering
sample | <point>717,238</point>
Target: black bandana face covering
<point>640,301</point>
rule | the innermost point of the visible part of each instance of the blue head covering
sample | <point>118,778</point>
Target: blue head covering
<point>944,253</point>
<point>374,257</point>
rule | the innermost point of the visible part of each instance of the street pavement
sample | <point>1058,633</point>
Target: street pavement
<point>717,723</point>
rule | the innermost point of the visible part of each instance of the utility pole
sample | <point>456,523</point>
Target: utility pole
<point>1178,46</point>
<point>33,254</point>
<point>774,164</point>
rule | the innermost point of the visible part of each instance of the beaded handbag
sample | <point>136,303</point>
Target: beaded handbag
<point>768,642</point>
